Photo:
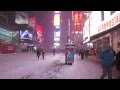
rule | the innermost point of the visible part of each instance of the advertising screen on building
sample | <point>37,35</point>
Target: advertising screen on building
<point>57,11</point>
<point>5,34</point>
<point>78,19</point>
<point>110,22</point>
<point>86,32</point>
<point>32,21</point>
<point>3,17</point>
<point>56,44</point>
<point>24,34</point>
<point>56,39</point>
<point>95,20</point>
<point>56,19</point>
<point>38,29</point>
<point>21,18</point>
<point>57,27</point>
<point>57,34</point>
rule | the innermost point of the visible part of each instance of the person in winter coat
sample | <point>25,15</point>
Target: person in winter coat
<point>79,52</point>
<point>43,53</point>
<point>38,53</point>
<point>118,61</point>
<point>82,54</point>
<point>53,51</point>
<point>107,59</point>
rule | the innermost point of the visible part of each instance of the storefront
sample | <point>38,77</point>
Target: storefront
<point>107,33</point>
<point>116,39</point>
<point>112,37</point>
<point>99,42</point>
<point>6,39</point>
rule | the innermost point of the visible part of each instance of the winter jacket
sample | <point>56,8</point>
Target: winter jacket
<point>43,53</point>
<point>118,58</point>
<point>107,57</point>
<point>38,52</point>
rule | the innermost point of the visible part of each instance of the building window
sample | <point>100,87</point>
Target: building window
<point>112,12</point>
<point>102,15</point>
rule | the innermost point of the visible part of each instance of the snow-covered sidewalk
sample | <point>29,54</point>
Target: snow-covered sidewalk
<point>26,66</point>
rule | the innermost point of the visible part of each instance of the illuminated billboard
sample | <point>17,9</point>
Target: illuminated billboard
<point>32,21</point>
<point>77,17</point>
<point>56,39</point>
<point>110,22</point>
<point>57,27</point>
<point>57,11</point>
<point>98,26</point>
<point>95,20</point>
<point>86,31</point>
<point>38,30</point>
<point>57,30</point>
<point>56,44</point>
<point>24,34</point>
<point>57,34</point>
<point>57,19</point>
<point>21,18</point>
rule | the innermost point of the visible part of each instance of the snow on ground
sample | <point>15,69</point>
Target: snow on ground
<point>26,66</point>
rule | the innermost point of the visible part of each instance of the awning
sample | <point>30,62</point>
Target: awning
<point>103,33</point>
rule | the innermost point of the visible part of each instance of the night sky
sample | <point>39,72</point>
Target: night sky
<point>45,18</point>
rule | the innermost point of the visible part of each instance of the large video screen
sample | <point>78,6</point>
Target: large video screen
<point>25,34</point>
<point>56,39</point>
<point>56,44</point>
<point>57,19</point>
<point>21,18</point>
<point>57,34</point>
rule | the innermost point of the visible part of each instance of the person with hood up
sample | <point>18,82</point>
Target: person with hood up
<point>107,59</point>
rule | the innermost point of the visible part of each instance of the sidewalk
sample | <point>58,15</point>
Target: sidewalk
<point>15,53</point>
<point>116,73</point>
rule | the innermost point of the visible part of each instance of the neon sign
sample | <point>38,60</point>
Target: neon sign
<point>57,19</point>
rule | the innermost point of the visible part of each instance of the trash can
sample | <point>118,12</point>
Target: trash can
<point>69,54</point>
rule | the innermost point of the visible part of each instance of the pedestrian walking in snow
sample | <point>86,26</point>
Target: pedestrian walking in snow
<point>38,54</point>
<point>43,53</point>
<point>79,52</point>
<point>118,61</point>
<point>82,54</point>
<point>107,59</point>
<point>53,51</point>
<point>86,53</point>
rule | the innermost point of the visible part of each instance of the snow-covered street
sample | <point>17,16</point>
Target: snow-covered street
<point>26,66</point>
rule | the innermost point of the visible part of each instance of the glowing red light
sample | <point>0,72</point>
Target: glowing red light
<point>38,28</point>
<point>78,19</point>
